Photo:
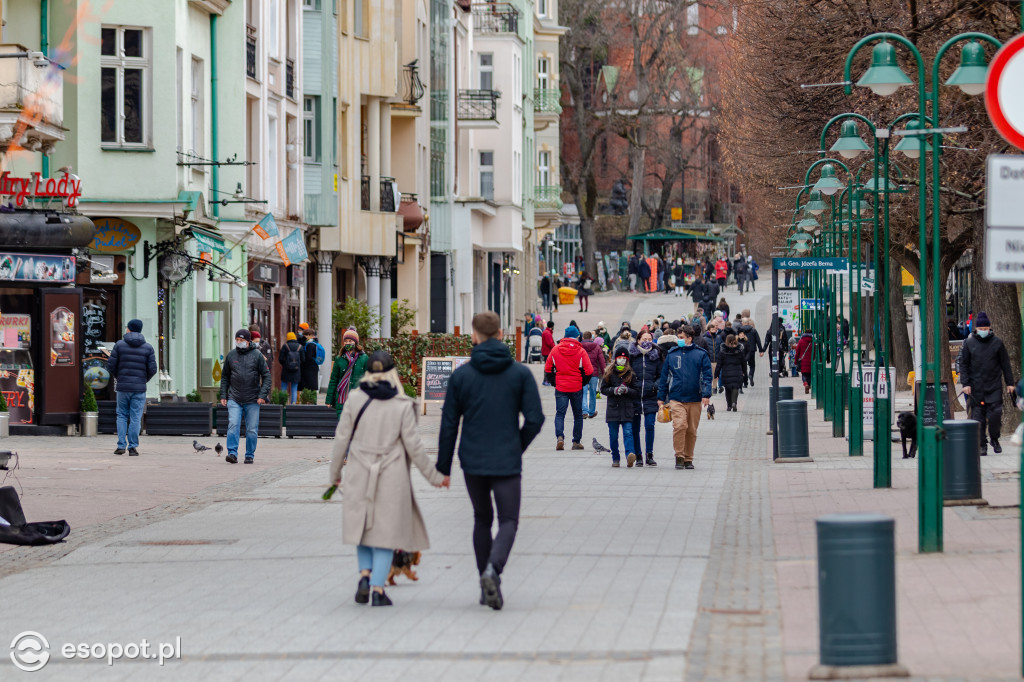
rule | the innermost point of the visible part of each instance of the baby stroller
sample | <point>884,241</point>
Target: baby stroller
<point>533,344</point>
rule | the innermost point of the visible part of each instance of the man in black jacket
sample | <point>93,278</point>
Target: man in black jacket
<point>984,367</point>
<point>244,386</point>
<point>132,363</point>
<point>487,395</point>
<point>697,293</point>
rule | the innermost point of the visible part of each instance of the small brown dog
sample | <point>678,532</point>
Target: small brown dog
<point>711,411</point>
<point>401,564</point>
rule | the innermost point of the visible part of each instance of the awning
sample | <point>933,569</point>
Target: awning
<point>669,234</point>
<point>208,241</point>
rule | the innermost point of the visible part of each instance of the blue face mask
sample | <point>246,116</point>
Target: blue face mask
<point>983,332</point>
<point>682,343</point>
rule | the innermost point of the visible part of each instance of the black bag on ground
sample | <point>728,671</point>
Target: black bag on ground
<point>20,532</point>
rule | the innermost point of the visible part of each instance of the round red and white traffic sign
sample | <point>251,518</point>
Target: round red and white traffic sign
<point>1004,91</point>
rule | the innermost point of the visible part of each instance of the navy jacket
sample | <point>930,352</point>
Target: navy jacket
<point>132,363</point>
<point>685,375</point>
<point>646,370</point>
<point>487,395</point>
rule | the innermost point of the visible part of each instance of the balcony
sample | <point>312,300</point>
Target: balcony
<point>495,17</point>
<point>547,101</point>
<point>32,97</point>
<point>548,197</point>
<point>289,78</point>
<point>412,86</point>
<point>478,108</point>
<point>387,195</point>
<point>364,193</point>
<point>250,51</point>
<point>321,209</point>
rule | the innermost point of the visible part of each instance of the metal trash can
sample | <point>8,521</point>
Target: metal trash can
<point>961,460</point>
<point>793,440</point>
<point>856,589</point>
<point>785,393</point>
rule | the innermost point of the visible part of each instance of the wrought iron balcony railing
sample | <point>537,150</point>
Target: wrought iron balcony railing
<point>548,196</point>
<point>478,105</point>
<point>250,51</point>
<point>547,100</point>
<point>364,193</point>
<point>495,17</point>
<point>289,78</point>
<point>387,195</point>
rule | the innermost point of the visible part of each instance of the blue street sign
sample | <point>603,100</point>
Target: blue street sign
<point>810,263</point>
<point>812,304</point>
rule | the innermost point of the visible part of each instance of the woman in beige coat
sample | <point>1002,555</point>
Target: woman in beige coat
<point>379,509</point>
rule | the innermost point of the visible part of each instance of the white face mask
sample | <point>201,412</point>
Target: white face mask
<point>983,332</point>
<point>241,345</point>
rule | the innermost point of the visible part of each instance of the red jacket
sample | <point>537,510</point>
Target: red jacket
<point>721,269</point>
<point>547,342</point>
<point>566,361</point>
<point>596,355</point>
<point>805,352</point>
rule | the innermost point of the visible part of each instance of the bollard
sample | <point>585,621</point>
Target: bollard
<point>961,463</point>
<point>856,597</point>
<point>793,439</point>
<point>785,393</point>
<point>839,405</point>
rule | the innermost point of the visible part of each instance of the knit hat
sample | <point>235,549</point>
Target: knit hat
<point>572,332</point>
<point>380,361</point>
<point>980,320</point>
<point>136,325</point>
<point>290,336</point>
<point>622,350</point>
<point>243,334</point>
<point>350,335</point>
<point>255,335</point>
<point>600,325</point>
<point>303,326</point>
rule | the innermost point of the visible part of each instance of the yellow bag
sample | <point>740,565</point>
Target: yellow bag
<point>664,415</point>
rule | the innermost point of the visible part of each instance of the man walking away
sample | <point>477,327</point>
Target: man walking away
<point>545,293</point>
<point>984,367</point>
<point>132,364</point>
<point>487,395</point>
<point>752,268</point>
<point>740,268</point>
<point>593,348</point>
<point>686,385</point>
<point>643,269</point>
<point>572,369</point>
<point>633,269</point>
<point>697,293</point>
<point>290,359</point>
<point>244,386</point>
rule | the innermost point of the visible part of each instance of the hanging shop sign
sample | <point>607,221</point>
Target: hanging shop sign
<point>36,267</point>
<point>67,187</point>
<point>265,273</point>
<point>115,235</point>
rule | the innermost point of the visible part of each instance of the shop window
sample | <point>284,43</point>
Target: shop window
<point>125,87</point>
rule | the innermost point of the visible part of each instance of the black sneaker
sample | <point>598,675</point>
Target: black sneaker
<point>679,463</point>
<point>231,459</point>
<point>249,460</point>
<point>490,583</point>
<point>688,465</point>
<point>119,451</point>
<point>650,460</point>
<point>132,452</point>
<point>380,599</point>
<point>363,591</point>
<point>639,460</point>
<point>996,447</point>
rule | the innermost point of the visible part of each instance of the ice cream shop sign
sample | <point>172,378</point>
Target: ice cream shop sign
<point>68,187</point>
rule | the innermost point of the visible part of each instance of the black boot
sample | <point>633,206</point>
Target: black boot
<point>380,599</point>
<point>363,591</point>
<point>490,583</point>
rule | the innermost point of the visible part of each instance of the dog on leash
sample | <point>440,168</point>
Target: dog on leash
<point>711,411</point>
<point>401,564</point>
<point>907,424</point>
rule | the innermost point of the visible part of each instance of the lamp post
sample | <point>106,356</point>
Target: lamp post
<point>884,78</point>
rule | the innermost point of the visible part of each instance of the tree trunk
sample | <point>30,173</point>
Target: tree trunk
<point>636,191</point>
<point>589,246</point>
<point>902,359</point>
<point>940,345</point>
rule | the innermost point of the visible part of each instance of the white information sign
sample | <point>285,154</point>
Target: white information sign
<point>867,385</point>
<point>1004,219</point>
<point>789,308</point>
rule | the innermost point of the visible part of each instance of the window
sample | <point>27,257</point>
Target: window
<point>311,129</point>
<point>359,12</point>
<point>311,4</point>
<point>334,130</point>
<point>179,106</point>
<point>486,71</point>
<point>542,73</point>
<point>544,168</point>
<point>273,37</point>
<point>197,106</point>
<point>272,145</point>
<point>542,8</point>
<point>693,19</point>
<point>125,68</point>
<point>487,175</point>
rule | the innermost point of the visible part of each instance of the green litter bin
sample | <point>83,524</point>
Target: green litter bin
<point>793,440</point>
<point>961,460</point>
<point>785,393</point>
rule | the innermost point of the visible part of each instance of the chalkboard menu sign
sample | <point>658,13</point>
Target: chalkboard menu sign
<point>434,382</point>
<point>929,402</point>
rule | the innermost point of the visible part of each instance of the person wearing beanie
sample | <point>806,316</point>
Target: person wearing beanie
<point>244,386</point>
<point>620,387</point>
<point>310,370</point>
<point>290,359</point>
<point>132,364</point>
<point>984,368</point>
<point>263,344</point>
<point>570,367</point>
<point>348,370</point>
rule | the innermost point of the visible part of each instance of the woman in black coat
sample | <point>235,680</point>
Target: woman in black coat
<point>619,385</point>
<point>731,370</point>
<point>646,359</point>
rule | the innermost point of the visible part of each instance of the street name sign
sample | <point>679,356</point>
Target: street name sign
<point>812,304</point>
<point>1004,218</point>
<point>1004,96</point>
<point>838,264</point>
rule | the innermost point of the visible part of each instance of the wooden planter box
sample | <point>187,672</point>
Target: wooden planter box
<point>108,416</point>
<point>179,419</point>
<point>271,421</point>
<point>310,420</point>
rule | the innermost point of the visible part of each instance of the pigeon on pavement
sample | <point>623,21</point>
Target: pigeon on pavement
<point>199,446</point>
<point>599,448</point>
<point>218,448</point>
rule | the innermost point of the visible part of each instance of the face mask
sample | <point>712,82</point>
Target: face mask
<point>241,345</point>
<point>682,343</point>
<point>349,346</point>
<point>620,363</point>
<point>646,345</point>
<point>984,332</point>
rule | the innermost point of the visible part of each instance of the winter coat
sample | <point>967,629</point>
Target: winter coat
<point>984,366</point>
<point>643,269</point>
<point>685,375</point>
<point>754,267</point>
<point>805,352</point>
<point>711,291</point>
<point>753,340</point>
<point>607,339</point>
<point>378,505</point>
<point>724,307</point>
<point>621,408</point>
<point>646,371</point>
<point>596,355</point>
<point>338,371</point>
<point>545,286</point>
<point>715,342</point>
<point>697,292</point>
<point>547,342</point>
<point>740,268</point>
<point>570,364</point>
<point>245,377</point>
<point>678,273</point>
<point>287,375</point>
<point>487,394</point>
<point>667,342</point>
<point>310,371</point>
<point>132,363</point>
<point>732,367</point>
<point>721,269</point>
<point>633,267</point>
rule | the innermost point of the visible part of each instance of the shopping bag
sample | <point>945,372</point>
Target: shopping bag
<point>664,415</point>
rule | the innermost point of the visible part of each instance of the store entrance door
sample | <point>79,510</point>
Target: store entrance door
<point>213,343</point>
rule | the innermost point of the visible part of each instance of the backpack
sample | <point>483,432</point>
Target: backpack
<point>293,362</point>
<point>321,354</point>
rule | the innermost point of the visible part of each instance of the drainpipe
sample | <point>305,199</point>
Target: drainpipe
<point>44,47</point>
<point>214,150</point>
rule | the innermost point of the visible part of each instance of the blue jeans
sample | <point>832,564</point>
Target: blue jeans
<point>590,396</point>
<point>563,401</point>
<point>627,438</point>
<point>649,421</point>
<point>129,418</point>
<point>377,560</point>
<point>293,391</point>
<point>252,425</point>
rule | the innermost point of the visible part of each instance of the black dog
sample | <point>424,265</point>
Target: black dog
<point>907,423</point>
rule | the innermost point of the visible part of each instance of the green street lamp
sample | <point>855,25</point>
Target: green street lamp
<point>808,224</point>
<point>912,145</point>
<point>827,184</point>
<point>885,76</point>
<point>881,185</point>
<point>815,206</point>
<point>970,76</point>
<point>849,145</point>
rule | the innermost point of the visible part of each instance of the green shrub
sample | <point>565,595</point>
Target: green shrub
<point>89,400</point>
<point>410,390</point>
<point>194,397</point>
<point>3,403</point>
<point>354,313</point>
<point>307,396</point>
<point>403,317</point>
<point>278,397</point>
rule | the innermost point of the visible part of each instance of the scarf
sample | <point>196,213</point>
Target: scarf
<point>343,384</point>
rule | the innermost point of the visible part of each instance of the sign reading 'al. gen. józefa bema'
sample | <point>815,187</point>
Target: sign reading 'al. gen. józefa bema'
<point>810,263</point>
